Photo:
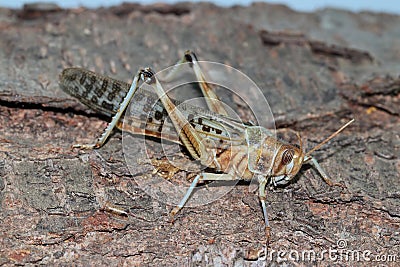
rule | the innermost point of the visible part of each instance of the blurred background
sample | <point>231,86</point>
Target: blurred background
<point>387,6</point>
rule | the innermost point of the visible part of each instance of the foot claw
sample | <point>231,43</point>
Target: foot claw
<point>164,168</point>
<point>253,254</point>
<point>172,214</point>
<point>174,211</point>
<point>267,236</point>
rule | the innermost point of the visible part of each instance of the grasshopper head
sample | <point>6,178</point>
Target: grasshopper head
<point>288,161</point>
<point>270,157</point>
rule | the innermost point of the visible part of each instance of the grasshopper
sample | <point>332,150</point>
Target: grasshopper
<point>234,150</point>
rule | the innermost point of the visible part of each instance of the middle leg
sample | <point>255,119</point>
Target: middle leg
<point>200,178</point>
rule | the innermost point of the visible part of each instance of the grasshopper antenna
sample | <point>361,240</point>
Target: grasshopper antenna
<point>329,138</point>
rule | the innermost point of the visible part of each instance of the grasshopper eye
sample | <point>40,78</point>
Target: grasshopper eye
<point>287,156</point>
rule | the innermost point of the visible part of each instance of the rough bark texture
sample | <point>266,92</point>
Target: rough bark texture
<point>317,70</point>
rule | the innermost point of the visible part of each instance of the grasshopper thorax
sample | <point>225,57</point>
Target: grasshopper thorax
<point>272,158</point>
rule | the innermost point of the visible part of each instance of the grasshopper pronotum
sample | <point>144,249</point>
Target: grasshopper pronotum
<point>254,152</point>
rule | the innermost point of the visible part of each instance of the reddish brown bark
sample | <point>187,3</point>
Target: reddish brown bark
<point>334,65</point>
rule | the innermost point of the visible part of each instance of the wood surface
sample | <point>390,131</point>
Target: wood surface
<point>317,70</point>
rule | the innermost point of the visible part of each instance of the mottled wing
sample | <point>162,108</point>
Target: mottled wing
<point>100,93</point>
<point>146,113</point>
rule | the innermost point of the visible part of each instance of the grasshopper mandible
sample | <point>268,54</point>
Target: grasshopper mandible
<point>234,150</point>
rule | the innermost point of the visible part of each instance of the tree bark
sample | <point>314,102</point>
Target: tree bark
<point>317,70</point>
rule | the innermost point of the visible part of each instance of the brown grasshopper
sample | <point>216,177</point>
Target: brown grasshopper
<point>233,149</point>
